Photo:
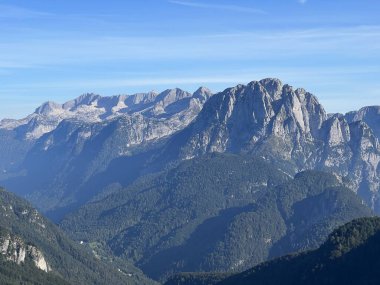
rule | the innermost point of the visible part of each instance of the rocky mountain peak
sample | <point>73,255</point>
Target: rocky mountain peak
<point>202,93</point>
<point>141,98</point>
<point>273,86</point>
<point>170,96</point>
<point>85,99</point>
<point>240,117</point>
<point>48,108</point>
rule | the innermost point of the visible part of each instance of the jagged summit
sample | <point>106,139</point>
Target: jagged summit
<point>203,93</point>
<point>92,108</point>
<point>48,108</point>
<point>273,87</point>
<point>245,114</point>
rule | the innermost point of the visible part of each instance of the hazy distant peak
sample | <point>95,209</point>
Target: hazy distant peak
<point>171,95</point>
<point>48,107</point>
<point>173,91</point>
<point>92,108</point>
<point>202,93</point>
<point>85,99</point>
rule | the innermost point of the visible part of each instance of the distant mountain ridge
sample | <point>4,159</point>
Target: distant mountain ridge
<point>167,111</point>
<point>123,138</point>
<point>55,136</point>
<point>95,108</point>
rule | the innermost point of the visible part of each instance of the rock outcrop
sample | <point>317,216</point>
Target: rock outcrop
<point>16,250</point>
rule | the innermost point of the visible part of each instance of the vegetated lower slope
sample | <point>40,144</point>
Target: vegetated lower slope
<point>27,274</point>
<point>193,278</point>
<point>351,255</point>
<point>23,227</point>
<point>218,212</point>
<point>147,221</point>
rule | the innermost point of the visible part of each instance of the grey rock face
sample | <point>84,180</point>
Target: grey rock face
<point>241,118</point>
<point>290,125</point>
<point>92,108</point>
<point>162,114</point>
<point>14,249</point>
<point>370,115</point>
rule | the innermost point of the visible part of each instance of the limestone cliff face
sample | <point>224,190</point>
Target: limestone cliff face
<point>242,117</point>
<point>16,250</point>
<point>280,123</point>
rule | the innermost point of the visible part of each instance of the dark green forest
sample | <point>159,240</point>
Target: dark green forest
<point>75,263</point>
<point>350,255</point>
<point>219,212</point>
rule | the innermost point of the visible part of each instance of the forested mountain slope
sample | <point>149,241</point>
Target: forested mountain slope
<point>30,244</point>
<point>349,256</point>
<point>218,212</point>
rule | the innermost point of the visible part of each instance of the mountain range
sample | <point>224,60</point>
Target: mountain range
<point>49,148</point>
<point>70,153</point>
<point>178,181</point>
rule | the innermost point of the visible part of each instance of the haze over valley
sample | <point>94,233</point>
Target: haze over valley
<point>189,142</point>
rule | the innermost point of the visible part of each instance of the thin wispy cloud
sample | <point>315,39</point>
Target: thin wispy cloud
<point>302,1</point>
<point>340,42</point>
<point>9,12</point>
<point>325,77</point>
<point>233,8</point>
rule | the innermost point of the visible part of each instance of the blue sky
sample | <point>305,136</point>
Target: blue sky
<point>57,50</point>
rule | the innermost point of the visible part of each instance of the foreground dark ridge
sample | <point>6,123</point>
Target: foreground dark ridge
<point>349,256</point>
